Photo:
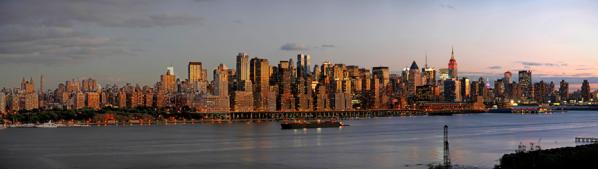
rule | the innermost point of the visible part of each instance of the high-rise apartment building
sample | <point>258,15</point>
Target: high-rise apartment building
<point>2,103</point>
<point>196,72</point>
<point>168,80</point>
<point>93,100</point>
<point>221,81</point>
<point>525,83</point>
<point>197,76</point>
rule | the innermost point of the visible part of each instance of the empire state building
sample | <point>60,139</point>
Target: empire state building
<point>452,66</point>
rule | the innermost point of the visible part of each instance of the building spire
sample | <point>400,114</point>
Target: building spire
<point>426,64</point>
<point>452,52</point>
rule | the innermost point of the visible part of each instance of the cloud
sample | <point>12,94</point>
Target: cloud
<point>583,75</point>
<point>447,6</point>
<point>531,64</point>
<point>495,67</point>
<point>524,63</point>
<point>293,47</point>
<point>109,13</point>
<point>328,46</point>
<point>238,21</point>
<point>51,33</point>
<point>473,74</point>
<point>22,44</point>
<point>162,20</point>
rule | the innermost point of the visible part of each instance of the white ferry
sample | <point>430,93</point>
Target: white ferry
<point>47,125</point>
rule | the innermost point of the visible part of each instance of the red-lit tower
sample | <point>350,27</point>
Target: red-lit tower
<point>452,66</point>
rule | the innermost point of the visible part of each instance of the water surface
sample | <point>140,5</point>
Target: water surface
<point>398,142</point>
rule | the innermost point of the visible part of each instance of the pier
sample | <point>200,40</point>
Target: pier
<point>586,140</point>
<point>307,114</point>
<point>326,114</point>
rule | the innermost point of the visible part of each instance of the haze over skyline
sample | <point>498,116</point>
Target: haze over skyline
<point>133,41</point>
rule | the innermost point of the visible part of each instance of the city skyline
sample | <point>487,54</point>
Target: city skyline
<point>65,40</point>
<point>184,73</point>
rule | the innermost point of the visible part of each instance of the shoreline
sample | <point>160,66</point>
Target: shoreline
<point>580,156</point>
<point>143,119</point>
<point>170,122</point>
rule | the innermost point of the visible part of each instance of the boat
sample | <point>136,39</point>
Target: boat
<point>47,125</point>
<point>314,124</point>
<point>80,125</point>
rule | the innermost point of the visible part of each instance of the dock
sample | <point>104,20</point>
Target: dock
<point>586,140</point>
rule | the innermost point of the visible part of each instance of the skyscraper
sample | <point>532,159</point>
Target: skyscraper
<point>525,82</point>
<point>260,76</point>
<point>414,79</point>
<point>508,77</point>
<point>2,103</point>
<point>383,73</point>
<point>285,100</point>
<point>586,93</point>
<point>27,86</point>
<point>452,90</point>
<point>303,64</point>
<point>465,89</point>
<point>29,98</point>
<point>168,80</point>
<point>452,66</point>
<point>89,85</point>
<point>196,72</point>
<point>221,81</point>
<point>242,67</point>
<point>564,90</point>
<point>41,84</point>
<point>197,76</point>
<point>443,74</point>
<point>428,76</point>
<point>541,92</point>
<point>508,85</point>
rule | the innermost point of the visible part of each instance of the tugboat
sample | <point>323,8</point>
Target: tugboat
<point>316,124</point>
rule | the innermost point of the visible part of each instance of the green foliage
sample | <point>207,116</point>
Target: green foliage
<point>40,116</point>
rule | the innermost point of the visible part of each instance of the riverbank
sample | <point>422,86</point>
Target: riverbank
<point>583,156</point>
<point>149,116</point>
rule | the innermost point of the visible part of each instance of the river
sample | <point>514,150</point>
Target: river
<point>476,140</point>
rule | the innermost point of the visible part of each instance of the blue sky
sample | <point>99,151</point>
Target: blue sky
<point>133,41</point>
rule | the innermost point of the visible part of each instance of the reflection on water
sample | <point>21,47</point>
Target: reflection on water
<point>399,142</point>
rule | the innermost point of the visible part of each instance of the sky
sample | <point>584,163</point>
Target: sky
<point>120,41</point>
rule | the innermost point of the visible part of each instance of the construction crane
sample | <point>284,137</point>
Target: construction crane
<point>446,159</point>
